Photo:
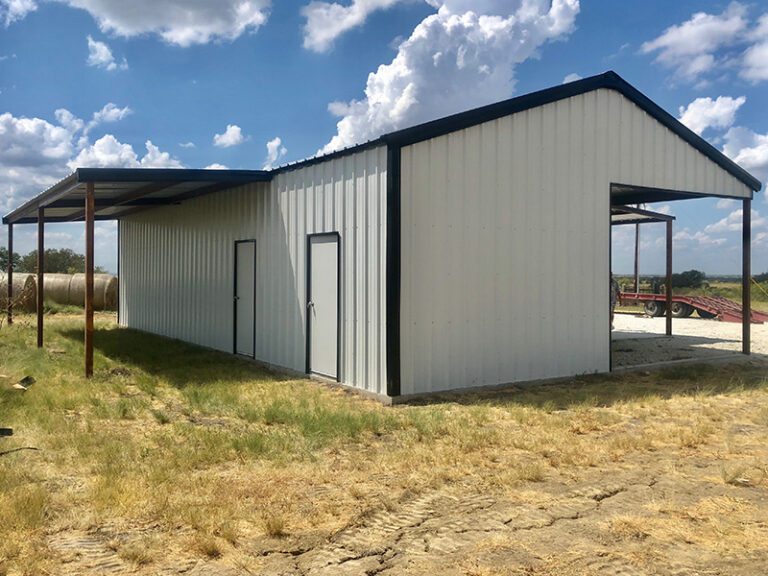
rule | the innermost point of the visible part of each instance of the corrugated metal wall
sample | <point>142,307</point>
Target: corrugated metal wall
<point>505,238</point>
<point>177,264</point>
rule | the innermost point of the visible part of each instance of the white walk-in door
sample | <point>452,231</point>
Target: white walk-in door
<point>323,305</point>
<point>245,296</point>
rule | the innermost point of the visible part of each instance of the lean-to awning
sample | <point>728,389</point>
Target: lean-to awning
<point>123,191</point>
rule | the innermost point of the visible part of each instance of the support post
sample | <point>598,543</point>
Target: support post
<point>746,276</point>
<point>10,274</point>
<point>637,258</point>
<point>669,278</point>
<point>89,216</point>
<point>40,269</point>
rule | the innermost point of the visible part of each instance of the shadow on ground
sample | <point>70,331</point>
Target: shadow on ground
<point>180,363</point>
<point>183,364</point>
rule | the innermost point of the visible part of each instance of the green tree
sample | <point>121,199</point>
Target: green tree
<point>57,261</point>
<point>4,259</point>
<point>688,279</point>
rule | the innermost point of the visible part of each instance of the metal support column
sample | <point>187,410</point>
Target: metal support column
<point>10,274</point>
<point>746,276</point>
<point>89,216</point>
<point>669,278</point>
<point>40,270</point>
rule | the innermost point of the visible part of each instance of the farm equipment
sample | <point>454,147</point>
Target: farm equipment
<point>711,307</point>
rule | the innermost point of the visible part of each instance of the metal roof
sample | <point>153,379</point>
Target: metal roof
<point>628,215</point>
<point>122,191</point>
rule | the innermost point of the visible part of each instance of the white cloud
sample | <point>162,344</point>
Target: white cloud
<point>755,64</point>
<point>110,113</point>
<point>733,222</point>
<point>33,155</point>
<point>454,60</point>
<point>100,56</point>
<point>725,203</point>
<point>685,238</point>
<point>705,113</point>
<point>12,10</point>
<point>187,144</point>
<point>216,166</point>
<point>571,78</point>
<point>326,21</point>
<point>109,152</point>
<point>275,152</point>
<point>180,22</point>
<point>232,136</point>
<point>690,48</point>
<point>749,150</point>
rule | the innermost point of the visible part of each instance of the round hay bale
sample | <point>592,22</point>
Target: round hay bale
<point>56,288</point>
<point>110,292</point>
<point>104,289</point>
<point>24,292</point>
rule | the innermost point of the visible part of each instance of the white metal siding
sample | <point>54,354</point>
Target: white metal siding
<point>177,264</point>
<point>505,238</point>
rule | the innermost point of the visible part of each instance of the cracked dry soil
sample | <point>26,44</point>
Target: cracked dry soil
<point>655,514</point>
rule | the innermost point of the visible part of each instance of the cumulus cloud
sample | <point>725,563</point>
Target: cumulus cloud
<point>275,152</point>
<point>35,153</point>
<point>690,48</point>
<point>755,63</point>
<point>705,113</point>
<point>326,21</point>
<point>461,57</point>
<point>187,144</point>
<point>180,22</point>
<point>12,10</point>
<point>100,56</point>
<point>571,78</point>
<point>232,136</point>
<point>685,238</point>
<point>733,222</point>
<point>749,150</point>
<point>725,203</point>
<point>109,152</point>
<point>216,166</point>
<point>708,43</point>
<point>108,114</point>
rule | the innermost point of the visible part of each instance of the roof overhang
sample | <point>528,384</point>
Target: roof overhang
<point>119,192</point>
<point>628,215</point>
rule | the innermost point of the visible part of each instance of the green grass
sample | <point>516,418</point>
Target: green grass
<point>179,437</point>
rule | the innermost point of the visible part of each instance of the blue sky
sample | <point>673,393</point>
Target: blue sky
<point>249,83</point>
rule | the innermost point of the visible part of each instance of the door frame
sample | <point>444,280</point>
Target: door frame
<point>339,266</point>
<point>235,297</point>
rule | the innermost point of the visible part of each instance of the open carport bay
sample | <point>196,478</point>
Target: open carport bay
<point>638,340</point>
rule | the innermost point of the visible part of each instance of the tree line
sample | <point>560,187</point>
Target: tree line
<point>56,261</point>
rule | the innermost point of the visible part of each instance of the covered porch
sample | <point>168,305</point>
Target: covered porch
<point>638,341</point>
<point>98,194</point>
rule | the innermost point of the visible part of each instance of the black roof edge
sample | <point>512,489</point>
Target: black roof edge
<point>609,80</point>
<point>170,175</point>
<point>330,156</point>
<point>407,136</point>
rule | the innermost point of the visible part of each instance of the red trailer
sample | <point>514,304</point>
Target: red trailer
<point>683,306</point>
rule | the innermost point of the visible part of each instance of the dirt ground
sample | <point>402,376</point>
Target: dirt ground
<point>647,473</point>
<point>639,339</point>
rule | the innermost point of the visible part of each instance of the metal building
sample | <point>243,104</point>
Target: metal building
<point>429,259</point>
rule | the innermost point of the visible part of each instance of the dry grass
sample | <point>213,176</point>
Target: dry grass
<point>170,448</point>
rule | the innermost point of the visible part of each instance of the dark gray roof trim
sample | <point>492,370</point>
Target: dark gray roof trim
<point>609,80</point>
<point>52,197</point>
<point>228,178</point>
